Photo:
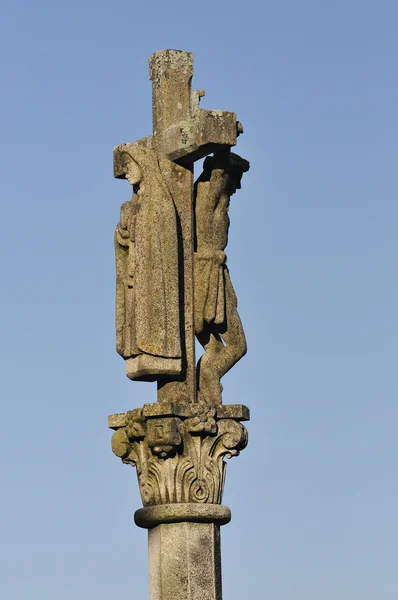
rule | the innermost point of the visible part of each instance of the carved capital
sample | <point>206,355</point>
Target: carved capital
<point>179,451</point>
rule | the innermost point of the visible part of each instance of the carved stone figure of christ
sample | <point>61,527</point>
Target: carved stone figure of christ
<point>148,333</point>
<point>217,323</point>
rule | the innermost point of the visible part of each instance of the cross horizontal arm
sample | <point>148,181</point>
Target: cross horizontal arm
<point>191,140</point>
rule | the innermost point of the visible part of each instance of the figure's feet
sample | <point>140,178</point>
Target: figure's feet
<point>210,388</point>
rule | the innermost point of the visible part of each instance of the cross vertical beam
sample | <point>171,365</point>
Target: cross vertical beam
<point>171,73</point>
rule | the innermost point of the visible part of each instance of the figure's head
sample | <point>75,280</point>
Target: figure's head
<point>133,175</point>
<point>141,166</point>
<point>237,166</point>
<point>234,183</point>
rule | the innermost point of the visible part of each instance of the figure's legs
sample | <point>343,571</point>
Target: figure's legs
<point>209,385</point>
<point>223,346</point>
<point>234,339</point>
<point>231,331</point>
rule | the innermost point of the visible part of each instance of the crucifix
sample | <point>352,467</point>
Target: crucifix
<point>182,134</point>
<point>172,285</point>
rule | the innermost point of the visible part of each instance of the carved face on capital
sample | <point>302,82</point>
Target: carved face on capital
<point>134,176</point>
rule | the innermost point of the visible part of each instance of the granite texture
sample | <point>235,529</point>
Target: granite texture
<point>179,455</point>
<point>152,516</point>
<point>217,323</point>
<point>172,282</point>
<point>185,562</point>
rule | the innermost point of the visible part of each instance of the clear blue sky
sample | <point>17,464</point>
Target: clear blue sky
<point>312,254</point>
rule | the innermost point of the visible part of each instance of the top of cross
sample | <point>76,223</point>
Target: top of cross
<point>182,131</point>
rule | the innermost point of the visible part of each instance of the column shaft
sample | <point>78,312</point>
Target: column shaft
<point>185,562</point>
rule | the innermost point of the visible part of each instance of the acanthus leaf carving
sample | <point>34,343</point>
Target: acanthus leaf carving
<point>180,460</point>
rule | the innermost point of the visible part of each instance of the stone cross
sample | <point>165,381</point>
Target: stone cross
<point>182,133</point>
<point>172,284</point>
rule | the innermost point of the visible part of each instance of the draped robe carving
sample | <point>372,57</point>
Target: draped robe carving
<point>147,279</point>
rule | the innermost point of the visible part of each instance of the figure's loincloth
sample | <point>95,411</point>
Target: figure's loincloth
<point>210,273</point>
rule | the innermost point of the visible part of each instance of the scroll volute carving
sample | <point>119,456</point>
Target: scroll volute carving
<point>180,460</point>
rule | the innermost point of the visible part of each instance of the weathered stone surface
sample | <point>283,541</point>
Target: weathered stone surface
<point>233,411</point>
<point>239,412</point>
<point>217,323</point>
<point>147,274</point>
<point>172,280</point>
<point>152,516</point>
<point>199,136</point>
<point>185,562</point>
<point>179,457</point>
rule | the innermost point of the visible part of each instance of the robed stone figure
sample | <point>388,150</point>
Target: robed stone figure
<point>147,279</point>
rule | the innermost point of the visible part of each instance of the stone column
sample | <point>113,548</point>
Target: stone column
<point>179,451</point>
